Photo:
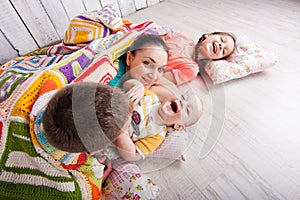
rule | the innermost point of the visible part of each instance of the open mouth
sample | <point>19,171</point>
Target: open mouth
<point>174,106</point>
<point>214,47</point>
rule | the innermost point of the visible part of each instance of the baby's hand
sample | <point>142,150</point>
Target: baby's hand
<point>108,168</point>
<point>136,92</point>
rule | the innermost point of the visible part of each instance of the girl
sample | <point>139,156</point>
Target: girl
<point>186,57</point>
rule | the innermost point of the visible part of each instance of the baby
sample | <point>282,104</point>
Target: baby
<point>151,118</point>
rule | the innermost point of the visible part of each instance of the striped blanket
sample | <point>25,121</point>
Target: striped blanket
<point>30,167</point>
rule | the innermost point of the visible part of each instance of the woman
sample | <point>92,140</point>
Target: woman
<point>146,61</point>
<point>186,57</point>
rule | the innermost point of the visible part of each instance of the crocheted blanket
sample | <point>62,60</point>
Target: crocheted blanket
<point>30,167</point>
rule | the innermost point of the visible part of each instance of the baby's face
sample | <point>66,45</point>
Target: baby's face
<point>186,110</point>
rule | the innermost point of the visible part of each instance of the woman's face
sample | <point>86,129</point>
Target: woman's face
<point>147,65</point>
<point>216,46</point>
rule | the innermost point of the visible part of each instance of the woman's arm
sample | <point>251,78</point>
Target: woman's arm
<point>165,90</point>
<point>169,75</point>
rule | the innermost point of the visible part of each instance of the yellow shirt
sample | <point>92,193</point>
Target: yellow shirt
<point>151,135</point>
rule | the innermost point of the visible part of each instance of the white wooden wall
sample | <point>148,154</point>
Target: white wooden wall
<point>26,25</point>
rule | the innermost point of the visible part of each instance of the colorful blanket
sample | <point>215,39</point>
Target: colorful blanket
<point>30,166</point>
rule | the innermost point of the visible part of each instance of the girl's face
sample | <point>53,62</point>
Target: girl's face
<point>216,46</point>
<point>147,65</point>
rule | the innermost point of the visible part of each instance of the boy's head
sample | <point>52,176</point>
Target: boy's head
<point>182,112</point>
<point>86,116</point>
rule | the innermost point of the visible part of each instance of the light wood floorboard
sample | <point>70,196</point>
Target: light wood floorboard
<point>257,154</point>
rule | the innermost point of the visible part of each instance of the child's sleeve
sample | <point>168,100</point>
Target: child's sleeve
<point>183,69</point>
<point>147,145</point>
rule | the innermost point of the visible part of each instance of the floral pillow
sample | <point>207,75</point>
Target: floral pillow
<point>248,58</point>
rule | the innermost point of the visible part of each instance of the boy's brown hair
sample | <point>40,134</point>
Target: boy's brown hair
<point>85,117</point>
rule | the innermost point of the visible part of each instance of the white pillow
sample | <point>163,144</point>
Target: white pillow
<point>248,58</point>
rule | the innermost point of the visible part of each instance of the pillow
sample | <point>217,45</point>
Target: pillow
<point>126,181</point>
<point>248,58</point>
<point>109,16</point>
<point>173,147</point>
<point>88,26</point>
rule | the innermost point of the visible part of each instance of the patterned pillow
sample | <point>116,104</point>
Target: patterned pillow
<point>88,26</point>
<point>248,58</point>
<point>109,16</point>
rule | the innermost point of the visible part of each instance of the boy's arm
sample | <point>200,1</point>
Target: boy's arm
<point>127,148</point>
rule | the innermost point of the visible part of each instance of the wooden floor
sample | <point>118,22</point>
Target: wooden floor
<point>246,145</point>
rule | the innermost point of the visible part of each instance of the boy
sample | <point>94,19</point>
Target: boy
<point>36,161</point>
<point>86,116</point>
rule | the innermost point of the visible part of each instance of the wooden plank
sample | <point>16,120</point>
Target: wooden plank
<point>257,155</point>
<point>126,7</point>
<point>14,29</point>
<point>37,21</point>
<point>152,2</point>
<point>169,177</point>
<point>139,4</point>
<point>113,2</point>
<point>58,15</point>
<point>73,9</point>
<point>7,51</point>
<point>91,5</point>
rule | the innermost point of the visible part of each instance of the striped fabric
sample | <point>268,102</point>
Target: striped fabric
<point>19,70</point>
<point>184,69</point>
<point>84,30</point>
<point>88,26</point>
<point>30,167</point>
